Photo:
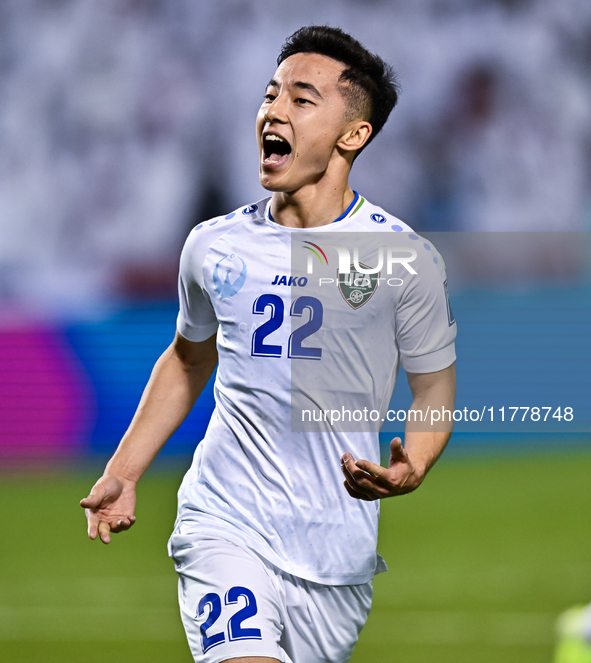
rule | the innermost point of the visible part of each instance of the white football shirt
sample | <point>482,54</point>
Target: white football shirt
<point>293,334</point>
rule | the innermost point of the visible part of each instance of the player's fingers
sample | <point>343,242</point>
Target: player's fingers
<point>93,521</point>
<point>356,482</point>
<point>358,495</point>
<point>360,480</point>
<point>384,485</point>
<point>366,485</point>
<point>123,524</point>
<point>360,484</point>
<point>348,467</point>
<point>397,451</point>
<point>368,494</point>
<point>376,471</point>
<point>96,496</point>
<point>346,459</point>
<point>353,485</point>
<point>357,477</point>
<point>104,530</point>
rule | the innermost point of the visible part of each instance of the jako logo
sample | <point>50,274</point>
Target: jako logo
<point>378,218</point>
<point>293,280</point>
<point>346,264</point>
<point>251,209</point>
<point>228,288</point>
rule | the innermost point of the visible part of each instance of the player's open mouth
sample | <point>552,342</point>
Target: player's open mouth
<point>276,150</point>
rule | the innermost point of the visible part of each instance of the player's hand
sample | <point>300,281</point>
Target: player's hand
<point>368,481</point>
<point>109,507</point>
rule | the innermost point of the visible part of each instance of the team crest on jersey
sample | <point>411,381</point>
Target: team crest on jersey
<point>378,218</point>
<point>228,288</point>
<point>357,288</point>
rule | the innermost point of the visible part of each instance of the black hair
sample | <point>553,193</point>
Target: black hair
<point>368,84</point>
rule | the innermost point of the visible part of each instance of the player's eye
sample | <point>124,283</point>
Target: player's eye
<point>269,97</point>
<point>301,100</point>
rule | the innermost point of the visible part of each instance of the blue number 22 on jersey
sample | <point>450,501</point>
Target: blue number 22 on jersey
<point>295,349</point>
<point>236,631</point>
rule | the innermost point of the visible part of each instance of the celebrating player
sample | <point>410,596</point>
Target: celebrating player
<point>275,540</point>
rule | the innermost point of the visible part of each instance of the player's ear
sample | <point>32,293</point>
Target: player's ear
<point>356,136</point>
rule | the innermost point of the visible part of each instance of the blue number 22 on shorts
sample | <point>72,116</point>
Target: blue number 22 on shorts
<point>235,628</point>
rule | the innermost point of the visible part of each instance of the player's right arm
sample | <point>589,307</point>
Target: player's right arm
<point>177,379</point>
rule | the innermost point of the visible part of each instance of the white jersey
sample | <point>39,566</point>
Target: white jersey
<point>258,478</point>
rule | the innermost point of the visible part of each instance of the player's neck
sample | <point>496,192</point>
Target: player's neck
<point>311,206</point>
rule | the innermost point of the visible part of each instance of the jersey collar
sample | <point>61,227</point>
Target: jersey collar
<point>352,209</point>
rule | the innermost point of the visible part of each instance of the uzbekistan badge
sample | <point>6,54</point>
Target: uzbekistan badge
<point>357,288</point>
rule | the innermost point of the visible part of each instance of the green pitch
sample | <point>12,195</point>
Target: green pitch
<point>482,559</point>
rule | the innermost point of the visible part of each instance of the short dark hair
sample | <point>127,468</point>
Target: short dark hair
<point>368,84</point>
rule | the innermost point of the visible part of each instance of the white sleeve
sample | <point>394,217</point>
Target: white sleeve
<point>425,327</point>
<point>196,320</point>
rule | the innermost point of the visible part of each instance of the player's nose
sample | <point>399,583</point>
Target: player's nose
<point>276,111</point>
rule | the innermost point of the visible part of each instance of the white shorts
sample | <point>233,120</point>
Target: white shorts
<point>235,603</point>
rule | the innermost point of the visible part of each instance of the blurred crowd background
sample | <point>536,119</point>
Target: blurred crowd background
<point>123,123</point>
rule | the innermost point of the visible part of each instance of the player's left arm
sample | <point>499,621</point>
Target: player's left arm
<point>424,441</point>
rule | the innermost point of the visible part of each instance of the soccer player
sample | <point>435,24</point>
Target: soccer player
<point>275,540</point>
